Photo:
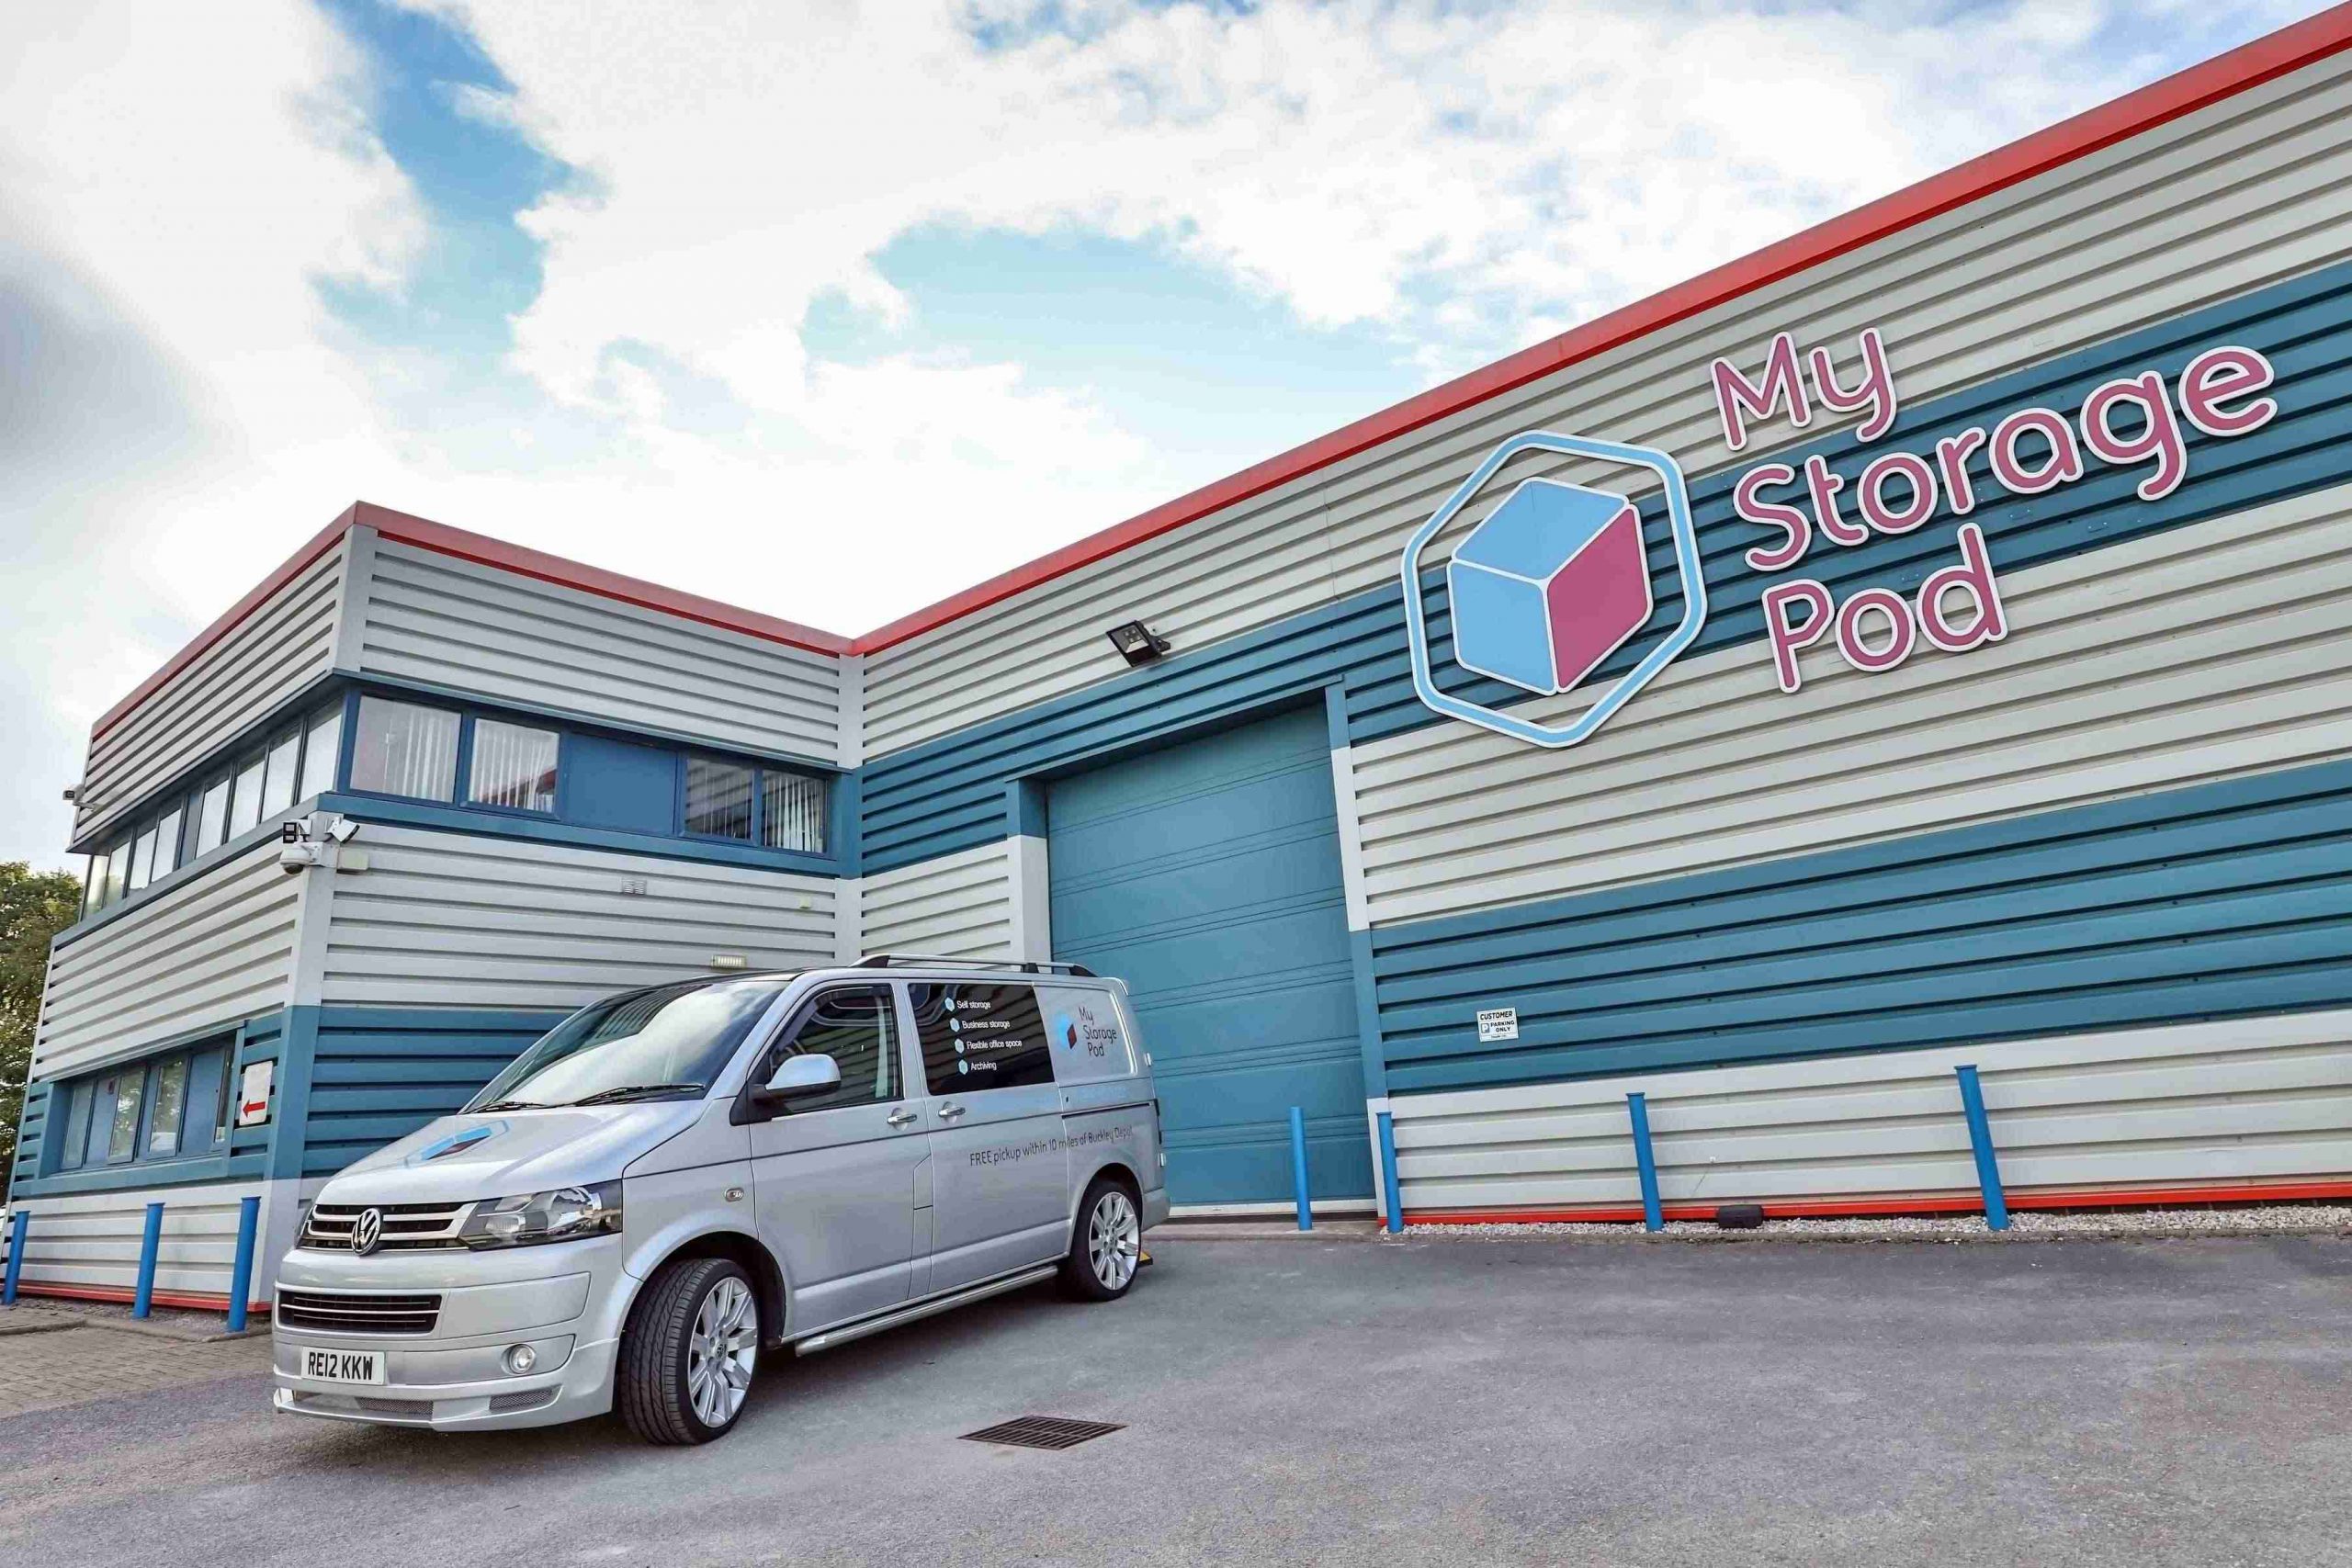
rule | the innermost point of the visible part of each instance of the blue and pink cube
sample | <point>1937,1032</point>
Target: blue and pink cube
<point>1550,584</point>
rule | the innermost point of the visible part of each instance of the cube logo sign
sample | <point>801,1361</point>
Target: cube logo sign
<point>1552,582</point>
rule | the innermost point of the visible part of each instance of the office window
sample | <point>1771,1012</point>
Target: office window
<point>212,816</point>
<point>244,799</point>
<point>167,1104</point>
<point>167,844</point>
<point>94,885</point>
<point>143,861</point>
<point>122,1128</point>
<point>514,766</point>
<point>321,747</point>
<point>401,748</point>
<point>792,811</point>
<point>718,799</point>
<point>118,870</point>
<point>278,781</point>
<point>181,1099</point>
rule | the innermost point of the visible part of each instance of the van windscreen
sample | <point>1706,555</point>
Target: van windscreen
<point>666,1043</point>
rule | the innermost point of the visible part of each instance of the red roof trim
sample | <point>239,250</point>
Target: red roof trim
<point>2289,48</point>
<point>425,534</point>
<point>2265,58</point>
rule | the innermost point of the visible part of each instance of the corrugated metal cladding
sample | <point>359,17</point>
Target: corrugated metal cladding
<point>285,645</point>
<point>452,623</point>
<point>957,905</point>
<point>378,1075</point>
<point>212,951</point>
<point>465,919</point>
<point>90,1243</point>
<point>2244,193</point>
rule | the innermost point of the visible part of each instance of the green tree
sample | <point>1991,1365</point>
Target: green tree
<point>34,907</point>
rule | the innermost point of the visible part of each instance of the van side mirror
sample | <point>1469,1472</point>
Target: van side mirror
<point>796,1077</point>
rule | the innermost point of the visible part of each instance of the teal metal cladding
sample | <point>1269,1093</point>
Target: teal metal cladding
<point>1207,876</point>
<point>2233,897</point>
<point>948,794</point>
<point>380,1074</point>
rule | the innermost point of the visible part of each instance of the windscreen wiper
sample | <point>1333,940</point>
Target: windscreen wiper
<point>507,1105</point>
<point>636,1091</point>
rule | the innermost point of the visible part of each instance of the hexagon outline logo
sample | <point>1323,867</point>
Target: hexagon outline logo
<point>1686,555</point>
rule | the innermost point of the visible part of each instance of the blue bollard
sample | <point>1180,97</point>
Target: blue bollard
<point>1653,1214</point>
<point>22,1218</point>
<point>1388,1192</point>
<point>1298,1166</point>
<point>148,1246</point>
<point>241,1278</point>
<point>1979,1139</point>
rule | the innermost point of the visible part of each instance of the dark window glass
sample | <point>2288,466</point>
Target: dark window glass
<point>167,844</point>
<point>319,748</point>
<point>94,890</point>
<point>118,870</point>
<point>718,799</point>
<point>278,783</point>
<point>857,1027</point>
<point>514,766</point>
<point>212,816</point>
<point>981,1036</point>
<point>100,1120</point>
<point>76,1123</point>
<point>206,1117</point>
<point>122,1132</point>
<point>401,748</point>
<point>792,811</point>
<point>168,1103</point>
<point>244,803</point>
<point>143,861</point>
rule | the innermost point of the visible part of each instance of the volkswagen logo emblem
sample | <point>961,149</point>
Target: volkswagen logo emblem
<point>367,1231</point>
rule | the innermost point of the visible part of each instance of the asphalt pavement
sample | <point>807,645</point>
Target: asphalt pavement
<point>1439,1400</point>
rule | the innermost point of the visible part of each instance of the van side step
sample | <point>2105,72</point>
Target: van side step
<point>829,1337</point>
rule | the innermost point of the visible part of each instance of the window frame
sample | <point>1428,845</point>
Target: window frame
<point>461,753</point>
<point>469,726</point>
<point>73,1155</point>
<point>759,772</point>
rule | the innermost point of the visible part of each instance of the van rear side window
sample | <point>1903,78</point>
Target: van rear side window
<point>980,1036</point>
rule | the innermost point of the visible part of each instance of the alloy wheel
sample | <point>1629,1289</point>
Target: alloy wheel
<point>1112,1240</point>
<point>722,1351</point>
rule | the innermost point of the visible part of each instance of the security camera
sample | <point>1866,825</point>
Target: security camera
<point>342,830</point>
<point>292,858</point>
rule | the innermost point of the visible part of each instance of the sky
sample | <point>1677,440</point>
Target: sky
<point>829,309</point>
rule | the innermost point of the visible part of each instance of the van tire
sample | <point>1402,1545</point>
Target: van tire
<point>1114,1208</point>
<point>649,1384</point>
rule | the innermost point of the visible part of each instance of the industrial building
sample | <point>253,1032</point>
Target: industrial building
<point>1925,643</point>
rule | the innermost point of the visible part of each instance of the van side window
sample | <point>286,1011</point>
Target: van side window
<point>980,1036</point>
<point>857,1027</point>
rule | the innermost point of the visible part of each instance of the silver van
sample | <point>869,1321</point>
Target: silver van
<point>676,1178</point>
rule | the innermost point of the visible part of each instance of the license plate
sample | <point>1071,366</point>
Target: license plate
<point>343,1365</point>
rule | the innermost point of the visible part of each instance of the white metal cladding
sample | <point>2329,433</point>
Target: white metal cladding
<point>958,906</point>
<point>286,643</point>
<point>476,628</point>
<point>462,919</point>
<point>2243,193</point>
<point>92,1240</point>
<point>2244,1101</point>
<point>216,949</point>
<point>2221,648</point>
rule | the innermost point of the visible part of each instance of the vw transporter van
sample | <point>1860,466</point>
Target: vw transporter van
<point>676,1179</point>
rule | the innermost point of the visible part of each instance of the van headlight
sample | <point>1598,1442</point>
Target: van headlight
<point>565,1214</point>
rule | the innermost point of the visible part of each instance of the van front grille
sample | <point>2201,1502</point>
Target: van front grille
<point>407,1227</point>
<point>341,1312</point>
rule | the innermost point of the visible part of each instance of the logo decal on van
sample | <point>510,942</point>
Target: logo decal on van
<point>1551,582</point>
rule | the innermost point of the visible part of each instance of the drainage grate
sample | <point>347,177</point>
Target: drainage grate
<point>1043,1432</point>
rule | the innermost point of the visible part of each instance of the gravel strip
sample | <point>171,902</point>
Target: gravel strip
<point>2058,1224</point>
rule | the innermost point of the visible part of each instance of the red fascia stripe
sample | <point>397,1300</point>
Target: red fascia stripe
<point>2267,58</point>
<point>196,1301</point>
<point>481,549</point>
<point>1940,1203</point>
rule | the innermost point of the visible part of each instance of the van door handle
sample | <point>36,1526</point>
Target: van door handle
<point>949,1112</point>
<point>899,1117</point>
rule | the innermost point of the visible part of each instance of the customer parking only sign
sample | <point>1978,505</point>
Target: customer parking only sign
<point>1593,588</point>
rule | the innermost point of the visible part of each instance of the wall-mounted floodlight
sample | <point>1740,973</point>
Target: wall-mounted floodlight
<point>1136,643</point>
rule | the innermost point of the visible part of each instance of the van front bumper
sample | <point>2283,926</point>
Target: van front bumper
<point>454,1378</point>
